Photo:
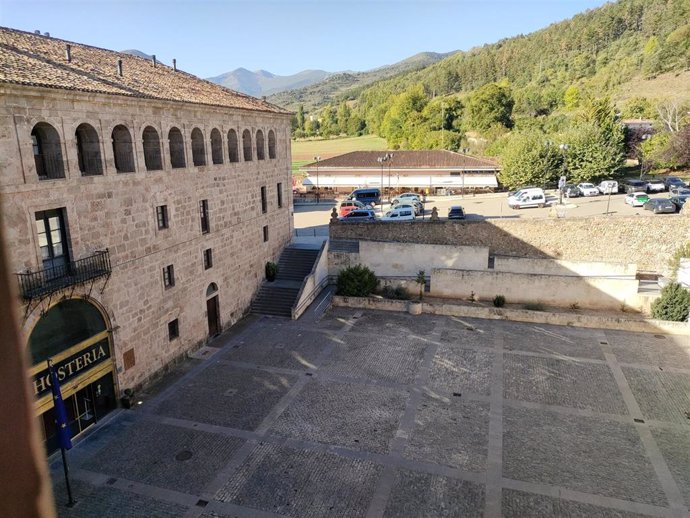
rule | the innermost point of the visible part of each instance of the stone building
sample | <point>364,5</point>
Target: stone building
<point>140,205</point>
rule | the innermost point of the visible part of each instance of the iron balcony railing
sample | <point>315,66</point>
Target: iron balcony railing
<point>49,280</point>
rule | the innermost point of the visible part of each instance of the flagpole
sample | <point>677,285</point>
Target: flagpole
<point>63,432</point>
<point>70,500</point>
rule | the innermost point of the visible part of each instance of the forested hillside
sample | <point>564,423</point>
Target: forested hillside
<point>557,84</point>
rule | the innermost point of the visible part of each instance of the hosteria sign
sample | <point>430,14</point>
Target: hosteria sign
<point>72,366</point>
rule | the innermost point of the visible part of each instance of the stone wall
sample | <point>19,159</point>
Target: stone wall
<point>117,211</point>
<point>647,241</point>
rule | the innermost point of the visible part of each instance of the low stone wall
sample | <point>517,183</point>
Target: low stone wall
<point>646,241</point>
<point>568,268</point>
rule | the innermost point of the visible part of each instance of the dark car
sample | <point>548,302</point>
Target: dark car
<point>630,186</point>
<point>571,191</point>
<point>673,181</point>
<point>660,206</point>
<point>456,212</point>
<point>679,201</point>
<point>359,215</point>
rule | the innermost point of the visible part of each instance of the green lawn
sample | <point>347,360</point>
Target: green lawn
<point>304,151</point>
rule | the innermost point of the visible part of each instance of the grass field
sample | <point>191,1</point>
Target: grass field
<point>304,151</point>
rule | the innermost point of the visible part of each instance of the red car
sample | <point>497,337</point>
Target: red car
<point>348,206</point>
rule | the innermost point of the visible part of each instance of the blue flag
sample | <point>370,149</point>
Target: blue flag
<point>63,433</point>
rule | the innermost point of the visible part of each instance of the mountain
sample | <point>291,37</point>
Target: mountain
<point>261,82</point>
<point>327,90</point>
<point>138,53</point>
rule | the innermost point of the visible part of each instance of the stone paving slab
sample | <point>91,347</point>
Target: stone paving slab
<point>574,342</point>
<point>346,414</point>
<point>649,349</point>
<point>379,323</point>
<point>302,483</point>
<point>561,382</point>
<point>110,502</point>
<point>450,432</point>
<point>377,357</point>
<point>675,447</point>
<point>164,456</point>
<point>468,332</point>
<point>519,504</point>
<point>228,396</point>
<point>422,495</point>
<point>334,319</point>
<point>580,453</point>
<point>662,395</point>
<point>460,370</point>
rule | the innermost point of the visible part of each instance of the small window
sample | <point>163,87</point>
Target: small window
<point>208,258</point>
<point>169,276</point>
<point>162,216</point>
<point>279,188</point>
<point>173,329</point>
<point>265,233</point>
<point>264,201</point>
<point>203,214</point>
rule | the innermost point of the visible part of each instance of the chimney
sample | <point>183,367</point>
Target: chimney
<point>153,58</point>
<point>119,67</point>
<point>47,34</point>
<point>263,97</point>
<point>37,32</point>
<point>175,65</point>
<point>68,53</point>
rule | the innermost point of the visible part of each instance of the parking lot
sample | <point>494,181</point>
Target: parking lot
<point>370,414</point>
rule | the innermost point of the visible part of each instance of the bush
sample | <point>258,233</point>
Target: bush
<point>397,293</point>
<point>674,263</point>
<point>499,301</point>
<point>356,281</point>
<point>673,305</point>
<point>534,306</point>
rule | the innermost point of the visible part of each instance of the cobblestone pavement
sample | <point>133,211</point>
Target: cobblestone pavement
<point>374,414</point>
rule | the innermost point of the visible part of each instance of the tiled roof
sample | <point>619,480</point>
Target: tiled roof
<point>423,159</point>
<point>35,60</point>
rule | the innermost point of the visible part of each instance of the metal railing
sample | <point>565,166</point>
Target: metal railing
<point>49,280</point>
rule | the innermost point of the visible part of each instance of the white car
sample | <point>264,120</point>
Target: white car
<point>399,214</point>
<point>588,189</point>
<point>608,187</point>
<point>637,199</point>
<point>655,185</point>
<point>527,198</point>
<point>416,209</point>
<point>406,196</point>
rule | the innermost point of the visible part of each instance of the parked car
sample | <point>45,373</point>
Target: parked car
<point>406,196</point>
<point>679,201</point>
<point>588,189</point>
<point>630,186</point>
<point>359,215</point>
<point>571,191</point>
<point>608,187</point>
<point>655,184</point>
<point>637,199</point>
<point>679,191</point>
<point>413,206</point>
<point>527,198</point>
<point>456,212</point>
<point>660,206</point>
<point>399,214</point>
<point>673,181</point>
<point>513,193</point>
<point>348,206</point>
<point>367,196</point>
<point>409,200</point>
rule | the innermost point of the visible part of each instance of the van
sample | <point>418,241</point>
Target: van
<point>366,196</point>
<point>608,187</point>
<point>527,198</point>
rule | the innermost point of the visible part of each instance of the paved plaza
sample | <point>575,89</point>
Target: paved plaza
<point>373,414</point>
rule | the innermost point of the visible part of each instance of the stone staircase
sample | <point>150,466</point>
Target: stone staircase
<point>278,297</point>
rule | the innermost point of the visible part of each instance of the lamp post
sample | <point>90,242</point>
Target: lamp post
<point>562,180</point>
<point>390,161</point>
<point>317,159</point>
<point>381,160</point>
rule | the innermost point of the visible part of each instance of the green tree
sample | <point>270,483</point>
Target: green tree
<point>592,152</point>
<point>300,117</point>
<point>673,305</point>
<point>529,159</point>
<point>572,97</point>
<point>343,116</point>
<point>489,105</point>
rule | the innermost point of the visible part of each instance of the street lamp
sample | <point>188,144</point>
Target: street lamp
<point>562,180</point>
<point>317,159</point>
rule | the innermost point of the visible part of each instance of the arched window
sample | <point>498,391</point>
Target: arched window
<point>152,149</point>
<point>260,155</point>
<point>198,149</point>
<point>122,149</point>
<point>212,289</point>
<point>88,150</point>
<point>271,144</point>
<point>233,153</point>
<point>216,147</point>
<point>247,145</point>
<point>47,152</point>
<point>176,148</point>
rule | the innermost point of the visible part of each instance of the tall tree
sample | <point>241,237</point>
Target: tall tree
<point>491,104</point>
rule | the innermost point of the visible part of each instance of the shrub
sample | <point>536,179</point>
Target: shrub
<point>674,263</point>
<point>673,305</point>
<point>421,280</point>
<point>534,306</point>
<point>499,301</point>
<point>356,281</point>
<point>397,293</point>
<point>271,270</point>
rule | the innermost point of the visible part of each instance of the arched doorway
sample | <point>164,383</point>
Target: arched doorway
<point>213,310</point>
<point>76,336</point>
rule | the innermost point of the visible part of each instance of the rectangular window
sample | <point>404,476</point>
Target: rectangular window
<point>203,214</point>
<point>52,240</point>
<point>208,258</point>
<point>162,216</point>
<point>264,201</point>
<point>173,329</point>
<point>169,276</point>
<point>265,233</point>
<point>280,195</point>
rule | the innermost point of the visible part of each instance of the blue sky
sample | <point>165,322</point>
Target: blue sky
<point>209,37</point>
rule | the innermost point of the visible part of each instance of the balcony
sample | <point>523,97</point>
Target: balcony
<point>50,280</point>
